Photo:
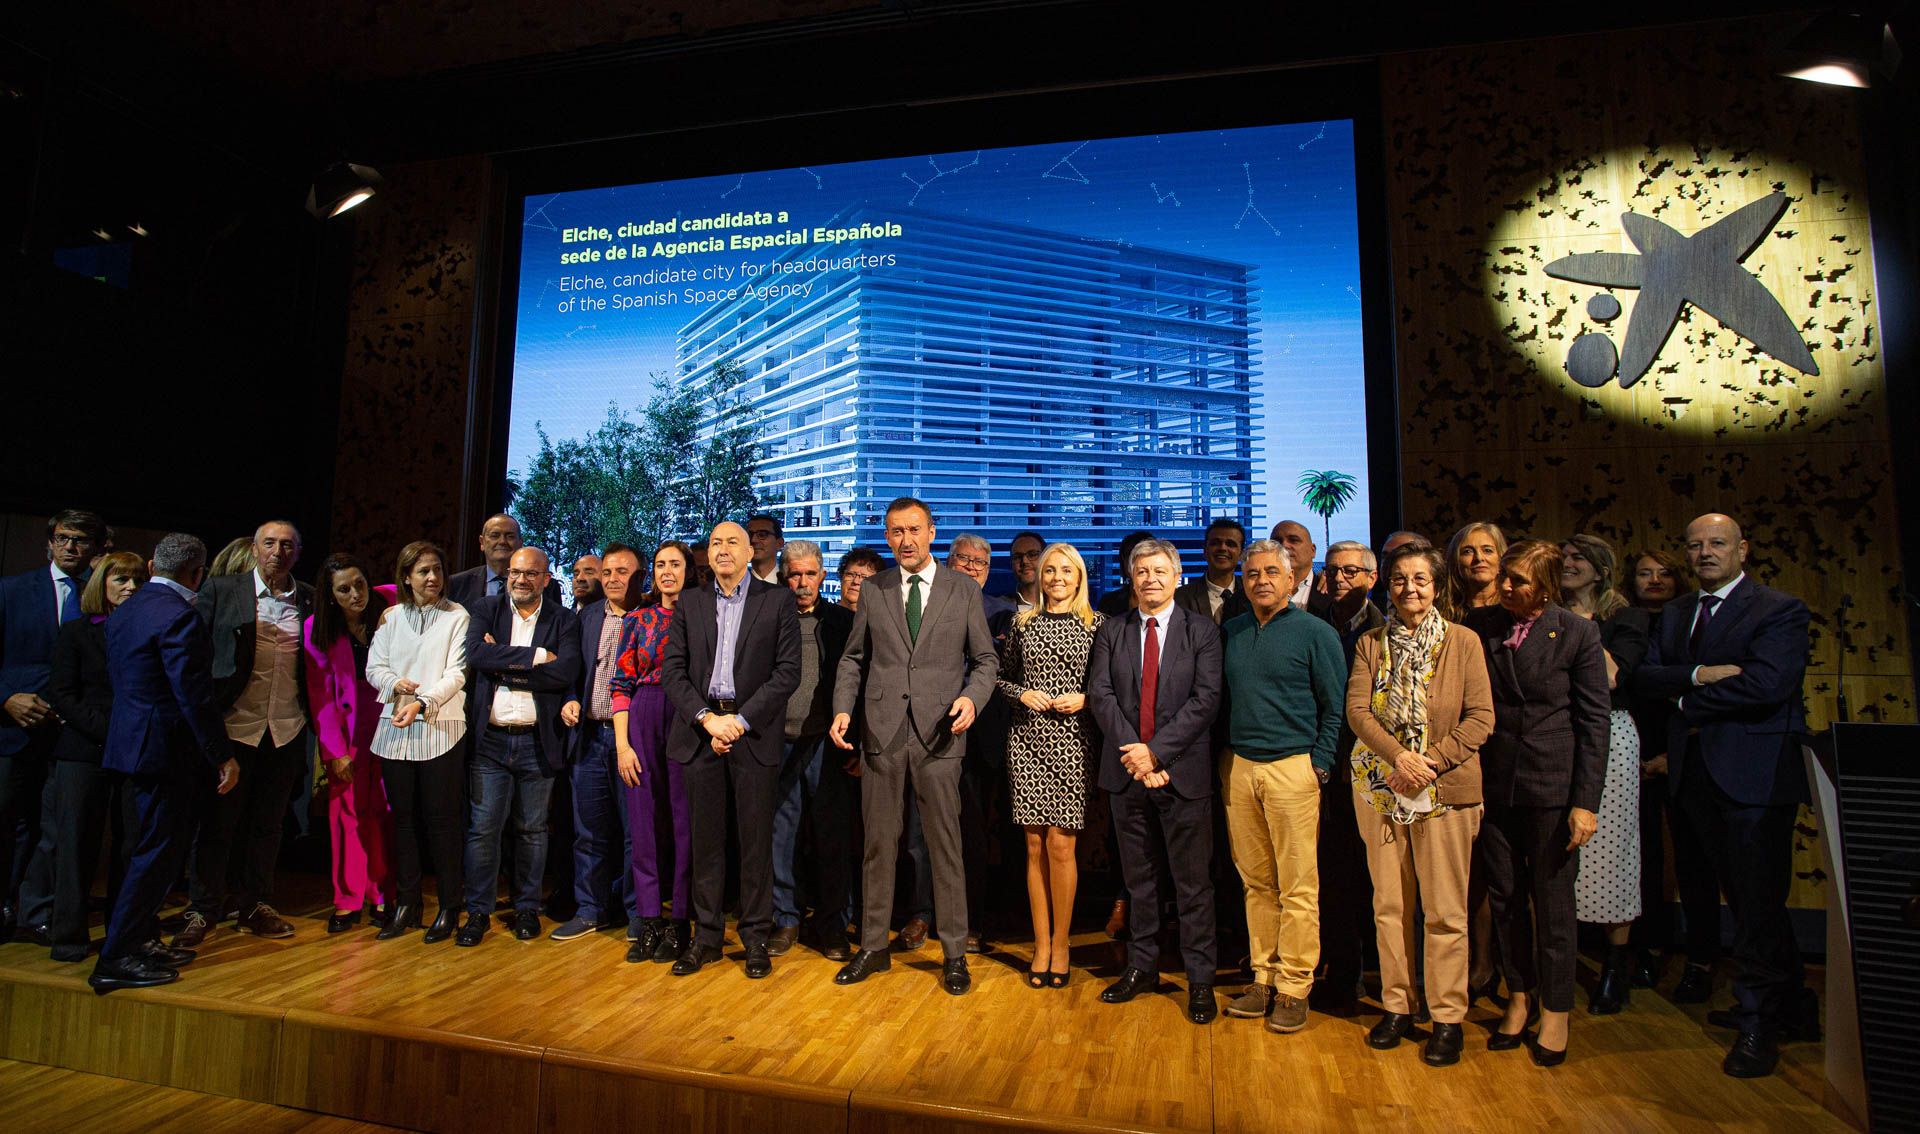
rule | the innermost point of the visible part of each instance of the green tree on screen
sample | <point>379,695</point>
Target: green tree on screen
<point>1325,492</point>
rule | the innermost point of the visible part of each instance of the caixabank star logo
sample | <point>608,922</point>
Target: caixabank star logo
<point>1672,270</point>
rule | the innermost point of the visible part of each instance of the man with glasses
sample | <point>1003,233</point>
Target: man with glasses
<point>1024,556</point>
<point>33,607</point>
<point>768,537</point>
<point>1346,886</point>
<point>524,648</point>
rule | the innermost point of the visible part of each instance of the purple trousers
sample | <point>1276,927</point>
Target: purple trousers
<point>659,826</point>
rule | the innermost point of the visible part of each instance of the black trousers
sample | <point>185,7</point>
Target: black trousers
<point>85,799</point>
<point>1529,876</point>
<point>755,790</point>
<point>977,781</point>
<point>238,844</point>
<point>1145,820</point>
<point>1751,847</point>
<point>159,813</point>
<point>429,803</point>
<point>23,782</point>
<point>1346,886</point>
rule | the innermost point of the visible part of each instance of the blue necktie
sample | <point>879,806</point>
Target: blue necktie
<point>70,600</point>
<point>493,585</point>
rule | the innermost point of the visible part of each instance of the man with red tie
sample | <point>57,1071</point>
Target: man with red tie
<point>1153,684</point>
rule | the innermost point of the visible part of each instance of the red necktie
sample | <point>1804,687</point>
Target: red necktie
<point>1149,680</point>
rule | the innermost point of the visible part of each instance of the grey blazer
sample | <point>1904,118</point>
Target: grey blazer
<point>916,683</point>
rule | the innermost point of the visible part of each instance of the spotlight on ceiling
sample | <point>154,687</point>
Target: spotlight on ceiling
<point>342,186</point>
<point>1842,47</point>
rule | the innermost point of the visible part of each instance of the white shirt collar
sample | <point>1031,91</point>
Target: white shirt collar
<point>925,573</point>
<point>177,587</point>
<point>1162,614</point>
<point>538,603</point>
<point>1303,592</point>
<point>260,587</point>
<point>58,574</point>
<point>1727,588</point>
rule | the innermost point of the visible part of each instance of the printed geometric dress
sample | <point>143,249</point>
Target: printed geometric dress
<point>1048,753</point>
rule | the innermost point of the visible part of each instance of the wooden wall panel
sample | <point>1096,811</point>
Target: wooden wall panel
<point>583,1091</point>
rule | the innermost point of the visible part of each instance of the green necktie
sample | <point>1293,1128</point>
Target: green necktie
<point>913,608</point>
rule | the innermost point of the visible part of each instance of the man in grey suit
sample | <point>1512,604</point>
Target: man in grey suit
<point>921,649</point>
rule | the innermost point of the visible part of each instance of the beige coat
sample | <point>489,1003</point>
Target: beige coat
<point>1459,710</point>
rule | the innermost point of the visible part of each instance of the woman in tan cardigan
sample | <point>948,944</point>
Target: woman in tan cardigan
<point>1420,707</point>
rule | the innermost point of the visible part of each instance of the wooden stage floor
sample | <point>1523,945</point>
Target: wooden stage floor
<point>562,1037</point>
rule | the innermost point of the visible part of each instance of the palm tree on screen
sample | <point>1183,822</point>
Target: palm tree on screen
<point>1324,492</point>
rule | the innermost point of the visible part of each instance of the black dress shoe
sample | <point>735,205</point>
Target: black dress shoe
<point>474,931</point>
<point>1753,1056</point>
<point>405,915</point>
<point>1442,1048</point>
<point>865,963</point>
<point>341,922</point>
<point>954,976</point>
<point>1646,970</point>
<point>759,963</point>
<point>1392,1028</point>
<point>41,935</point>
<point>1696,985</point>
<point>647,938</point>
<point>130,972</point>
<point>166,956</point>
<point>1201,1006</point>
<point>1545,1056</point>
<point>1132,983</point>
<point>443,926</point>
<point>1616,984</point>
<point>694,959</point>
<point>526,925</point>
<point>673,941</point>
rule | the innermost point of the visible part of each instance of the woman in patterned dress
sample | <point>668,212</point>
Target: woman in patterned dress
<point>659,831</point>
<point>1607,890</point>
<point>1049,746</point>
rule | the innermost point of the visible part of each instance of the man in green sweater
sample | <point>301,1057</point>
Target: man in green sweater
<point>1286,682</point>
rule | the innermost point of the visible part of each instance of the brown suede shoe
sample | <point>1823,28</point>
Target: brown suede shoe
<point>1289,1014</point>
<point>782,940</point>
<point>1253,1003</point>
<point>193,930</point>
<point>914,934</point>
<point>261,921</point>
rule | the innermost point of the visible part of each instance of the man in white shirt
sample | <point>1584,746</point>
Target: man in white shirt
<point>1218,595</point>
<point>259,681</point>
<point>1024,556</point>
<point>1294,536</point>
<point>768,538</point>
<point>525,653</point>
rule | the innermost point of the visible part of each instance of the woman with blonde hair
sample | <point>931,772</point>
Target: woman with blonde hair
<point>1607,889</point>
<point>1050,739</point>
<point>1473,565</point>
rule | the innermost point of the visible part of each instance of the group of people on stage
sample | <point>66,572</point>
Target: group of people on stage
<point>1483,736</point>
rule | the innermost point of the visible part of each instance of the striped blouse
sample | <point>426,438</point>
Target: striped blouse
<point>643,641</point>
<point>428,646</point>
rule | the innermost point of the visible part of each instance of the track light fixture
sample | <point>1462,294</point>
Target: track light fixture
<point>1842,47</point>
<point>342,186</point>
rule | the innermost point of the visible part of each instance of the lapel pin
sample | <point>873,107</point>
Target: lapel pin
<point>1553,633</point>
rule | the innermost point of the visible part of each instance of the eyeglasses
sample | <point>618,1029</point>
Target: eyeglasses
<point>512,574</point>
<point>1023,556</point>
<point>1349,571</point>
<point>72,540</point>
<point>959,560</point>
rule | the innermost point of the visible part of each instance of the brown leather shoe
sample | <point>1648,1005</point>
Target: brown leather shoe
<point>193,930</point>
<point>1117,920</point>
<point>261,921</point>
<point>914,934</point>
<point>782,939</point>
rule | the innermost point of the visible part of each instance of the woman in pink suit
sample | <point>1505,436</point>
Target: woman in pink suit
<point>346,709</point>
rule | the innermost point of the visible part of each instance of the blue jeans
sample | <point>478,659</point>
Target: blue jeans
<point>507,772</point>
<point>602,883</point>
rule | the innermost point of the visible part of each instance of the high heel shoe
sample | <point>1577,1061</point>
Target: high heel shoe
<point>341,922</point>
<point>405,916</point>
<point>443,925</point>
<point>1037,978</point>
<point>1546,1056</point>
<point>1059,980</point>
<point>1616,983</point>
<point>1504,1041</point>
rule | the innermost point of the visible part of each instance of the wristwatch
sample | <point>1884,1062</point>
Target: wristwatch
<point>1324,774</point>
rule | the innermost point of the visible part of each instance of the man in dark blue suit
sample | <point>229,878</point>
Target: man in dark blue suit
<point>1156,718</point>
<point>32,607</point>
<point>166,737</point>
<point>1733,656</point>
<point>602,882</point>
<point>524,648</point>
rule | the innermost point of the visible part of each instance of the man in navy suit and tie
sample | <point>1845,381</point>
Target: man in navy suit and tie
<point>499,538</point>
<point>732,661</point>
<point>167,738</point>
<point>1733,656</point>
<point>1154,686</point>
<point>33,605</point>
<point>525,651</point>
